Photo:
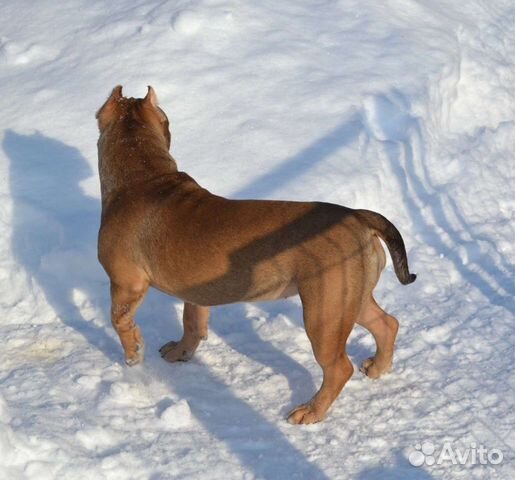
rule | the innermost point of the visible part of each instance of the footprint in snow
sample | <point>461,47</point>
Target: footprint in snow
<point>186,22</point>
<point>387,118</point>
<point>189,22</point>
<point>16,53</point>
<point>176,416</point>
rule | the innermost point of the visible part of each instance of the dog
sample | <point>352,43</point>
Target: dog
<point>160,228</point>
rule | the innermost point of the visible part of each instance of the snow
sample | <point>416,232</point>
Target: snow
<point>406,107</point>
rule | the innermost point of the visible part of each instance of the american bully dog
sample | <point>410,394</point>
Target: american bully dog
<point>161,229</point>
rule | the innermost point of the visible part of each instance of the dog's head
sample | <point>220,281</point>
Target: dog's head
<point>134,113</point>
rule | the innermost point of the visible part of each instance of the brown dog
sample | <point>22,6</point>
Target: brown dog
<point>161,229</point>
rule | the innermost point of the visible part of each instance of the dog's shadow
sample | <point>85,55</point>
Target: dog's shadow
<point>54,228</point>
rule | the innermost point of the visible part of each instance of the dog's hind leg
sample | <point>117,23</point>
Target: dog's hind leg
<point>384,328</point>
<point>125,300</point>
<point>195,320</point>
<point>329,318</point>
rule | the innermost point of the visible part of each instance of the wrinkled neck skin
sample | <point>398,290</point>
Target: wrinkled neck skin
<point>129,155</point>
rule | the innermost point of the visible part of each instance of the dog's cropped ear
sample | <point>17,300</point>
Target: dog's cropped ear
<point>105,114</point>
<point>151,97</point>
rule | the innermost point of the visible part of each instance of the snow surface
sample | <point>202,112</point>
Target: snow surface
<point>402,106</point>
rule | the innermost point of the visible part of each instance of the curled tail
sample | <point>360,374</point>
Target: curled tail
<point>390,235</point>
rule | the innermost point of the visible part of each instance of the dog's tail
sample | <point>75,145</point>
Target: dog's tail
<point>391,236</point>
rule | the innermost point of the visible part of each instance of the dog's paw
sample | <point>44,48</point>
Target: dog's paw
<point>136,357</point>
<point>304,415</point>
<point>175,352</point>
<point>372,370</point>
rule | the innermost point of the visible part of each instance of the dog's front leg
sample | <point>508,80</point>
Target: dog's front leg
<point>195,320</point>
<point>125,300</point>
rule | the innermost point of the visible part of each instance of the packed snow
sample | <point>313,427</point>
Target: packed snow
<point>406,107</point>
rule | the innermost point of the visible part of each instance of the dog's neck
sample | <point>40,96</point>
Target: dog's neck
<point>130,157</point>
